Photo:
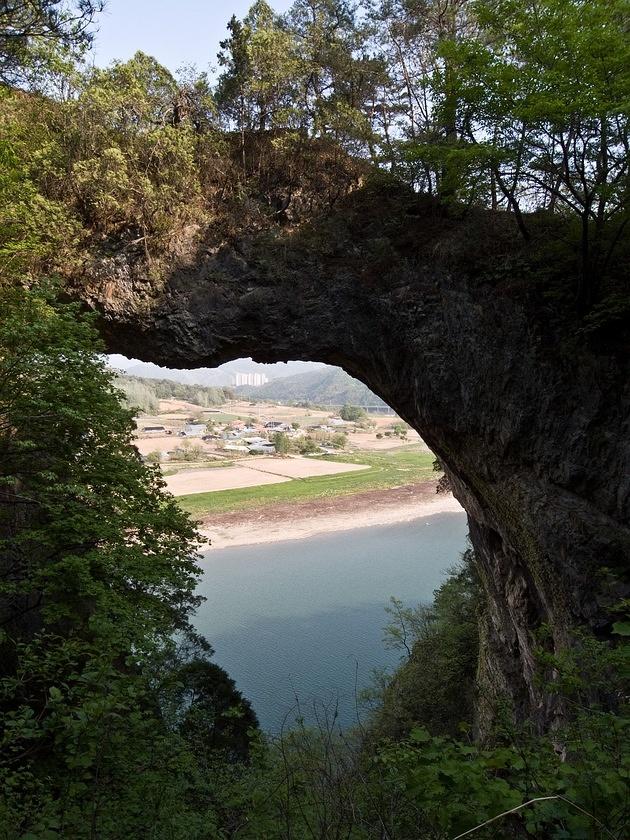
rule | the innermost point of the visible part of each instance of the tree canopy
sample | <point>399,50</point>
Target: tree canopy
<point>98,569</point>
<point>515,107</point>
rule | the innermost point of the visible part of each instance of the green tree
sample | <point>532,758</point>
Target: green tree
<point>215,719</point>
<point>435,687</point>
<point>255,92</point>
<point>545,90</point>
<point>400,429</point>
<point>139,396</point>
<point>282,442</point>
<point>38,232</point>
<point>339,440</point>
<point>36,34</point>
<point>420,111</point>
<point>340,80</point>
<point>133,171</point>
<point>97,582</point>
<point>352,413</point>
<point>307,445</point>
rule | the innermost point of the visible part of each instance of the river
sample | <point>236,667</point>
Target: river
<point>302,621</point>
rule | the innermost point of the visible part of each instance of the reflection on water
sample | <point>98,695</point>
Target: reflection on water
<point>303,620</point>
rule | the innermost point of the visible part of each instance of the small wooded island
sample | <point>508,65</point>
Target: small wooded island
<point>429,194</point>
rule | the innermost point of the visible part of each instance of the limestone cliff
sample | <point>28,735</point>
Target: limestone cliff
<point>439,317</point>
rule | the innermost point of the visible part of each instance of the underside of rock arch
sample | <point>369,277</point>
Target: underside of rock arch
<point>437,315</point>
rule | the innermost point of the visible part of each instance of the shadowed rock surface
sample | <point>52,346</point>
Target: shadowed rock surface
<point>438,317</point>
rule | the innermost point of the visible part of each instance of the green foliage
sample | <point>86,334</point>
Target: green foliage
<point>457,785</point>
<point>257,88</point>
<point>36,230</point>
<point>307,445</point>
<point>145,393</point>
<point>125,156</point>
<point>321,783</point>
<point>215,720</point>
<point>436,683</point>
<point>400,430</point>
<point>39,37</point>
<point>352,413</point>
<point>139,396</point>
<point>98,581</point>
<point>339,440</point>
<point>136,170</point>
<point>282,442</point>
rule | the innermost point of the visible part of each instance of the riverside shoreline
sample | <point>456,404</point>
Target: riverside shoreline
<point>281,522</point>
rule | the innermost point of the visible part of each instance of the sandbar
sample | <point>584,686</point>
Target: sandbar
<point>296,521</point>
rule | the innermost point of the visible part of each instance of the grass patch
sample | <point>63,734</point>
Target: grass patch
<point>219,416</point>
<point>387,469</point>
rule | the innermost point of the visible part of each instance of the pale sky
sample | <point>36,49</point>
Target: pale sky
<point>175,32</point>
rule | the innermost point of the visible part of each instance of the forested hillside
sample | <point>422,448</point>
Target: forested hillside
<point>145,394</point>
<point>329,386</point>
<point>509,116</point>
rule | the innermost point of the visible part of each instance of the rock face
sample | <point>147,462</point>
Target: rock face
<point>531,421</point>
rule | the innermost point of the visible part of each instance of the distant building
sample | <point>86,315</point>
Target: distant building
<point>254,379</point>
<point>193,430</point>
<point>277,426</point>
<point>263,448</point>
<point>153,429</point>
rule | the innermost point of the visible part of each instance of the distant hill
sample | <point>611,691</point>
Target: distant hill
<point>217,377</point>
<point>326,386</point>
<point>145,393</point>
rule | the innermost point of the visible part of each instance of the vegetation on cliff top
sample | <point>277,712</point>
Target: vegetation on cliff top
<point>517,107</point>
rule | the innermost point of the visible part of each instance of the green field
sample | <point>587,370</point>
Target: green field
<point>390,469</point>
<point>221,416</point>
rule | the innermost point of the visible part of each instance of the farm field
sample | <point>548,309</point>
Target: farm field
<point>254,472</point>
<point>386,470</point>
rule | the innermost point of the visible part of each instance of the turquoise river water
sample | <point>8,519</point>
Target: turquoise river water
<point>302,620</point>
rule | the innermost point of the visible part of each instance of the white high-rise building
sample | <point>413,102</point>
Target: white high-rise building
<point>254,379</point>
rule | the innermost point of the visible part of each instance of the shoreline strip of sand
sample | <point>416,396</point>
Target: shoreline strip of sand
<point>260,528</point>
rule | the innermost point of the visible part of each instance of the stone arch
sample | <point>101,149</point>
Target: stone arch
<point>531,421</point>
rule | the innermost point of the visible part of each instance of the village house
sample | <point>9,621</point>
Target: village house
<point>262,448</point>
<point>192,430</point>
<point>277,426</point>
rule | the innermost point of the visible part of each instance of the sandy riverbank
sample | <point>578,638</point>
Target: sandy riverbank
<point>276,523</point>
